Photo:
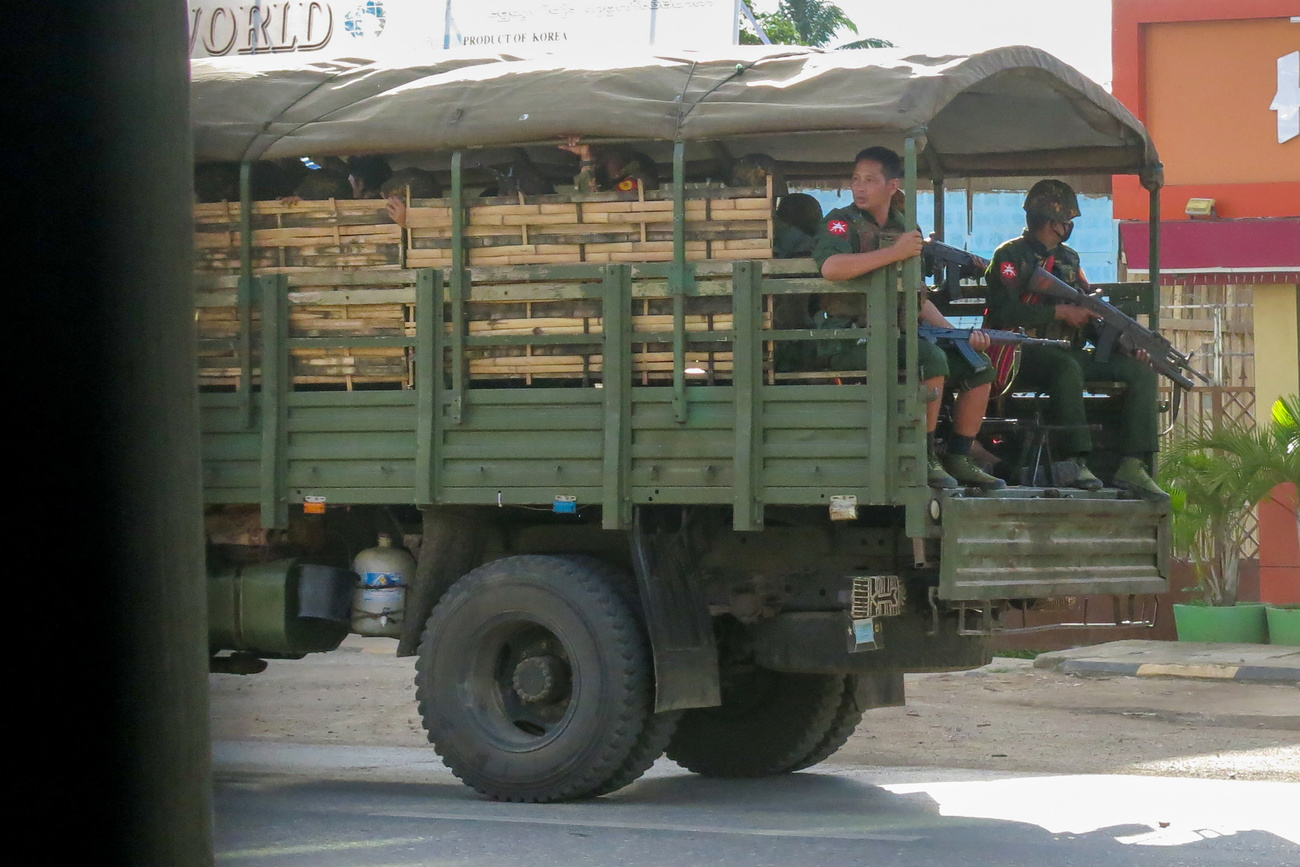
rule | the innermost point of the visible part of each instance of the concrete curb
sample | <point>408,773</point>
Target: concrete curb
<point>1246,663</point>
<point>1245,673</point>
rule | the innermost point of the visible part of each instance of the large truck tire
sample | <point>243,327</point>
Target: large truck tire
<point>843,723</point>
<point>769,723</point>
<point>534,681</point>
<point>659,728</point>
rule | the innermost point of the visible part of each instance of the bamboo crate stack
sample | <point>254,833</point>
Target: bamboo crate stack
<point>390,366</point>
<point>394,366</point>
<point>651,362</point>
<point>300,237</point>
<point>313,237</point>
<point>728,224</point>
<point>721,224</point>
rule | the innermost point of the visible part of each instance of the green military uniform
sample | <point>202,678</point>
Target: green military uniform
<point>789,242</point>
<point>638,171</point>
<point>1063,372</point>
<point>850,230</point>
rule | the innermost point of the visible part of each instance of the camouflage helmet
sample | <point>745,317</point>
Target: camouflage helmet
<point>421,184</point>
<point>1052,200</point>
<point>753,170</point>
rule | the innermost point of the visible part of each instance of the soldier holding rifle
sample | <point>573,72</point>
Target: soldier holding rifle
<point>870,234</point>
<point>1050,209</point>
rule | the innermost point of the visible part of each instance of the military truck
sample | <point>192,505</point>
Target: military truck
<point>636,531</point>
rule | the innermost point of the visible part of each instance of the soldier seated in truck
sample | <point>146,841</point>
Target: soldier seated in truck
<point>1051,207</point>
<point>872,233</point>
<point>608,168</point>
<point>795,217</point>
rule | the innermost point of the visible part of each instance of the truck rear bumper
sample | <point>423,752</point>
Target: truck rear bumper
<point>1003,548</point>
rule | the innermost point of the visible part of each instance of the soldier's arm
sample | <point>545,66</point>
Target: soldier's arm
<point>846,266</point>
<point>585,180</point>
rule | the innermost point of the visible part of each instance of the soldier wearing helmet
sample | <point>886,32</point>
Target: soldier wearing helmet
<point>610,168</point>
<point>1050,210</point>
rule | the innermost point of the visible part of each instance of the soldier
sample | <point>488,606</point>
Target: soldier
<point>412,182</point>
<point>367,175</point>
<point>1050,209</point>
<point>323,183</point>
<point>794,226</point>
<point>419,183</point>
<point>523,176</point>
<point>606,168</point>
<point>795,219</point>
<point>870,234</point>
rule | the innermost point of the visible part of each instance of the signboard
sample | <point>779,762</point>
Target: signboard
<point>374,28</point>
<point>1218,87</point>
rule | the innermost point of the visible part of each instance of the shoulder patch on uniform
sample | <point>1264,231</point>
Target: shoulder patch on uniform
<point>837,227</point>
<point>627,185</point>
<point>1009,270</point>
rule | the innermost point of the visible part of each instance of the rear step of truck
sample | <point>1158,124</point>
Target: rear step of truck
<point>1035,543</point>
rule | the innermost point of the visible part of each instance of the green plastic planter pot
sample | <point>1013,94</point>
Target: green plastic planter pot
<point>1284,624</point>
<point>1228,624</point>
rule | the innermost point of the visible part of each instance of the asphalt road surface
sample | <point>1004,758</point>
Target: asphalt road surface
<point>322,762</point>
<point>317,805</point>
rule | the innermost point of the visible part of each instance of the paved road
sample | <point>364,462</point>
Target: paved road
<point>285,805</point>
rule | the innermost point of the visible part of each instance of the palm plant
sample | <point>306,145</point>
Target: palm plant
<point>1215,479</point>
<point>808,22</point>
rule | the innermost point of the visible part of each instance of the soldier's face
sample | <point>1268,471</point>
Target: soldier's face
<point>871,189</point>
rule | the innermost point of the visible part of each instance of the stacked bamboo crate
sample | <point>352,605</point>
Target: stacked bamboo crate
<point>297,237</point>
<point>324,311</point>
<point>378,315</point>
<point>725,224</point>
<point>721,223</point>
<point>309,240</point>
<point>651,361</point>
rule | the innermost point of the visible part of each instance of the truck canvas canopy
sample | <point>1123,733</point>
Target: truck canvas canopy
<point>1009,111</point>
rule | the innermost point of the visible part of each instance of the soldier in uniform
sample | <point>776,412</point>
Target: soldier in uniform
<point>870,234</point>
<point>1050,209</point>
<point>609,168</point>
<point>367,175</point>
<point>793,226</point>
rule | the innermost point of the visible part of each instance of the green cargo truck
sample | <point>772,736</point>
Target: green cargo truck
<point>637,531</point>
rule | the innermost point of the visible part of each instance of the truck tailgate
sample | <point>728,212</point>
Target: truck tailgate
<point>1038,548</point>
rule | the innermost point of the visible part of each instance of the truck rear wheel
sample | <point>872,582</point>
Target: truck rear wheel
<point>843,723</point>
<point>769,723</point>
<point>534,681</point>
<point>659,727</point>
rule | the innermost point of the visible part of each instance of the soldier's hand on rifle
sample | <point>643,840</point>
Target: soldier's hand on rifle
<point>980,341</point>
<point>1072,315</point>
<point>1142,355</point>
<point>907,246</point>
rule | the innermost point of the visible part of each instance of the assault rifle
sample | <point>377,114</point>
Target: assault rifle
<point>1113,327</point>
<point>960,337</point>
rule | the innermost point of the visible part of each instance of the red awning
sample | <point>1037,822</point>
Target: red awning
<point>1256,250</point>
